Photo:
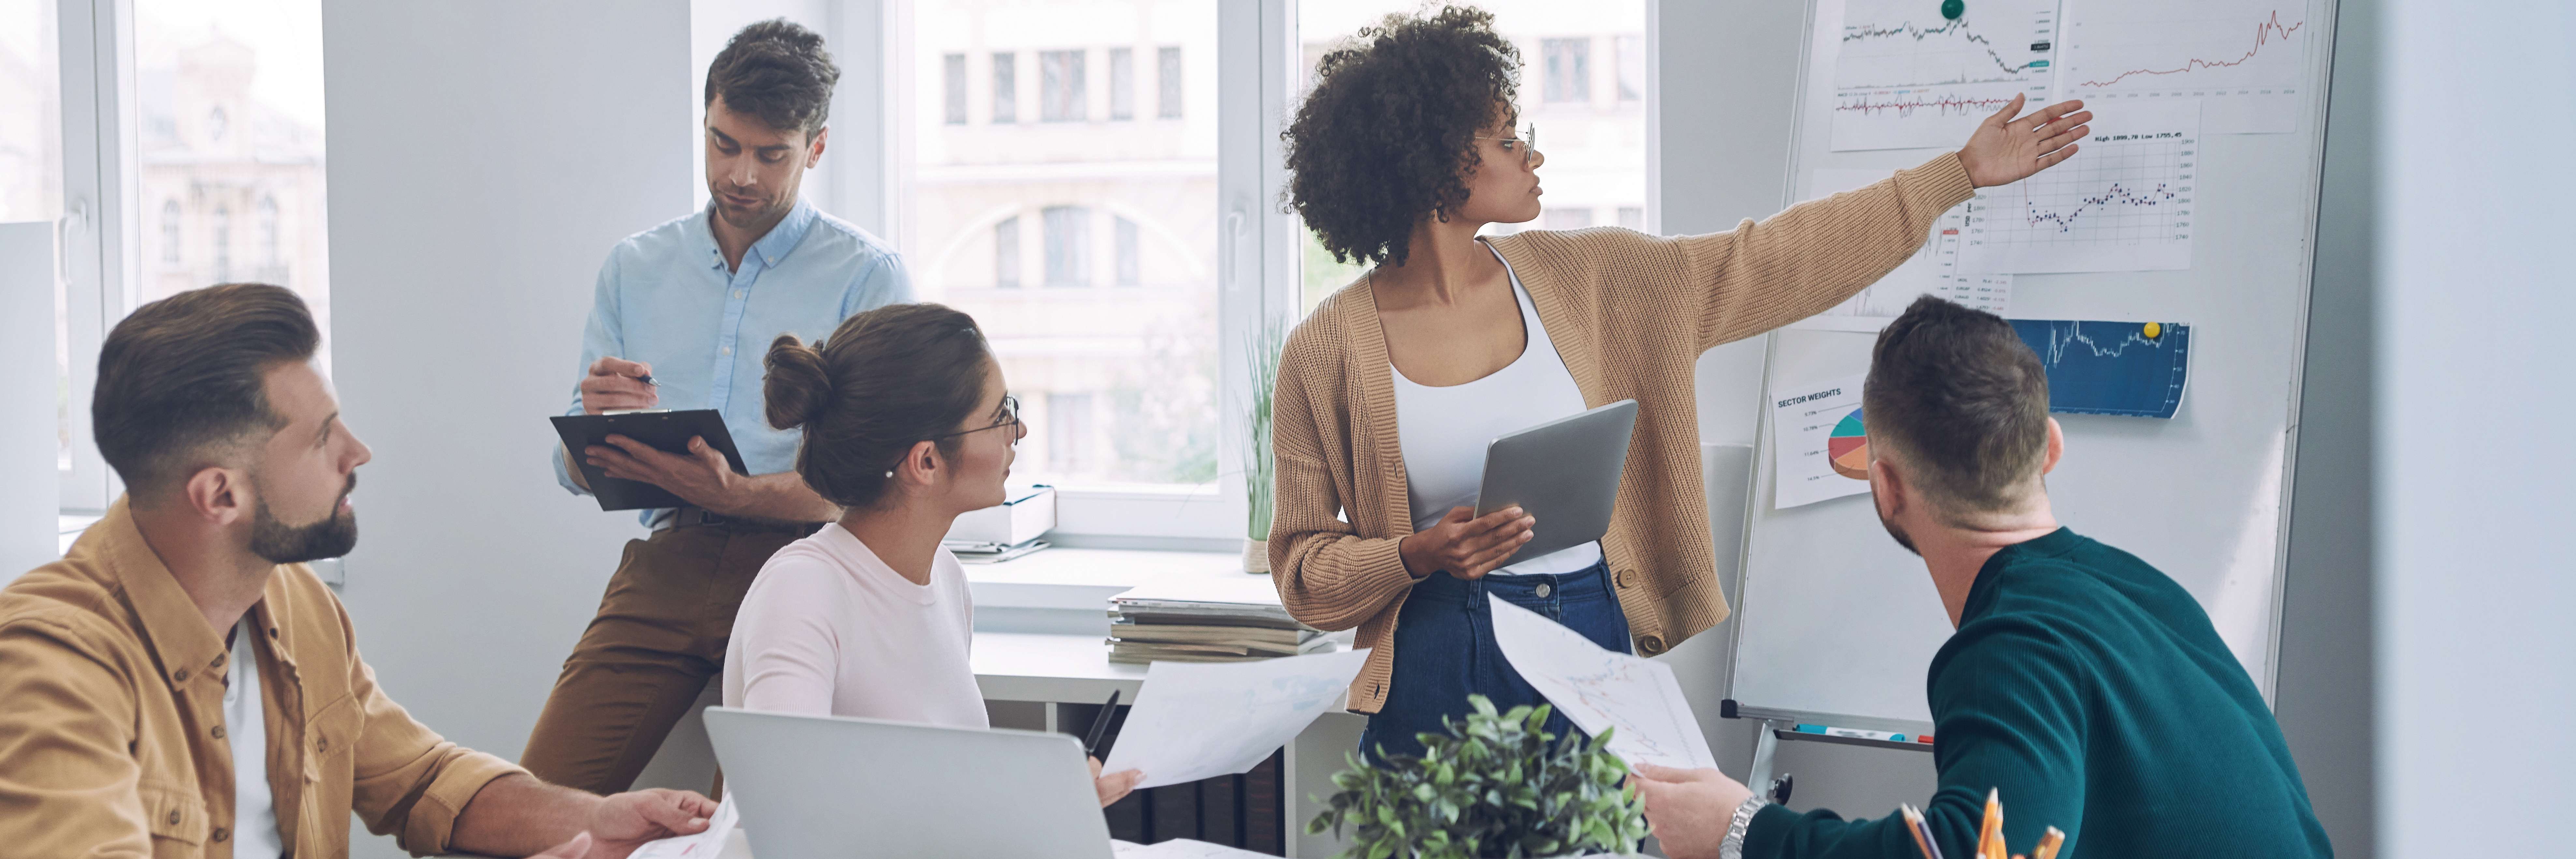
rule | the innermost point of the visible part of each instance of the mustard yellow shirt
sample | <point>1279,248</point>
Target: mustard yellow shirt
<point>111,717</point>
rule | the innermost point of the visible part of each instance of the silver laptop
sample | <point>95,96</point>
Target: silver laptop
<point>1564,472</point>
<point>810,787</point>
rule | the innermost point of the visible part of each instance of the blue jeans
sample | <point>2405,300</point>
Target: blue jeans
<point>1444,649</point>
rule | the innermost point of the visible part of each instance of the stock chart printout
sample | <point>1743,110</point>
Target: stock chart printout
<point>2136,369</point>
<point>2123,203</point>
<point>1912,74</point>
<point>2243,60</point>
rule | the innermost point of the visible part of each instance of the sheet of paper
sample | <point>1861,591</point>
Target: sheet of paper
<point>709,844</point>
<point>1179,848</point>
<point>2112,368</point>
<point>1907,77</point>
<point>2244,59</point>
<point>1933,270</point>
<point>1602,689</point>
<point>1819,441</point>
<point>2122,203</point>
<point>1200,720</point>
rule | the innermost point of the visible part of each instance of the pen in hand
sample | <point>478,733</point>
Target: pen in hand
<point>1100,726</point>
<point>648,379</point>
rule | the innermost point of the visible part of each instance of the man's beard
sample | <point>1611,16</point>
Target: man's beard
<point>280,543</point>
<point>1896,533</point>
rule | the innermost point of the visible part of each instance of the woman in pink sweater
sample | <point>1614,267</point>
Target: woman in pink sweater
<point>907,424</point>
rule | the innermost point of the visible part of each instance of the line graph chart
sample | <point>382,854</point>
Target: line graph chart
<point>1932,270</point>
<point>2111,368</point>
<point>2245,60</point>
<point>1905,77</point>
<point>2123,203</point>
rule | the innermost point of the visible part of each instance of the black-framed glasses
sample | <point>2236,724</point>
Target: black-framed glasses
<point>1525,145</point>
<point>1010,417</point>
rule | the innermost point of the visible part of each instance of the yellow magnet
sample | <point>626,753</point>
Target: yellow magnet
<point>2155,330</point>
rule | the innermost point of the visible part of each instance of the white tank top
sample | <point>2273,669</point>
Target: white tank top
<point>1444,430</point>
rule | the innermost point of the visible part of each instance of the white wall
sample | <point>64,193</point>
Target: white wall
<point>2475,587</point>
<point>484,157</point>
<point>28,496</point>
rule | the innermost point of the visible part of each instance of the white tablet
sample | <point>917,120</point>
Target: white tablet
<point>1564,472</point>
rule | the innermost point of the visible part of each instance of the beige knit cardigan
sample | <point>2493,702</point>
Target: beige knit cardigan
<point>1630,314</point>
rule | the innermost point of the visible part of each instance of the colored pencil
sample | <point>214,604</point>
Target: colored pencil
<point>2048,844</point>
<point>1990,835</point>
<point>1922,832</point>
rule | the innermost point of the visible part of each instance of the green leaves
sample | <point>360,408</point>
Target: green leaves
<point>1497,785</point>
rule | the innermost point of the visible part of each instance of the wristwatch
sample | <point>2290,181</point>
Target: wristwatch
<point>1733,846</point>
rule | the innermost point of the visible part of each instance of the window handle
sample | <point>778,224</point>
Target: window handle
<point>1234,235</point>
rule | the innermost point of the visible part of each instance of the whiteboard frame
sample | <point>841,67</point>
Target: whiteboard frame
<point>2321,67</point>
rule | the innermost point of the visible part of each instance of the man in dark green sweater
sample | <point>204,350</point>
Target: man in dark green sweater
<point>2085,686</point>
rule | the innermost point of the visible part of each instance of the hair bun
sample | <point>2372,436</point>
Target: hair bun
<point>798,387</point>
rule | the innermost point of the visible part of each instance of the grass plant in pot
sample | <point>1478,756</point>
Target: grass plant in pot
<point>1497,786</point>
<point>1257,464</point>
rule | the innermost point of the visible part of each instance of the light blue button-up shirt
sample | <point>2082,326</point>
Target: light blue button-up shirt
<point>666,299</point>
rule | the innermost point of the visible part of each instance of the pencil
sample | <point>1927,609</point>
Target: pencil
<point>1990,836</point>
<point>2048,844</point>
<point>1922,834</point>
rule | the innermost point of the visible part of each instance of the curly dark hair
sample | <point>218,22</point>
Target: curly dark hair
<point>1391,124</point>
<point>776,70</point>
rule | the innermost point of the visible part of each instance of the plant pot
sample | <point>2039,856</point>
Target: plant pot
<point>1256,557</point>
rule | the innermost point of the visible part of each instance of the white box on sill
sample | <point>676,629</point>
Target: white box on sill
<point>1026,514</point>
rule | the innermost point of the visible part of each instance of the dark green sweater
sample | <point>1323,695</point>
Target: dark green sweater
<point>2093,692</point>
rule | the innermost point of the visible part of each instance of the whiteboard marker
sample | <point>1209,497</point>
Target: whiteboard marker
<point>1854,733</point>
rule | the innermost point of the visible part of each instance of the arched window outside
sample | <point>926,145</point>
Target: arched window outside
<point>170,231</point>
<point>268,239</point>
<point>223,238</point>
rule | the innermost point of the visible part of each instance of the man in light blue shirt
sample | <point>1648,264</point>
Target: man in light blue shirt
<point>683,317</point>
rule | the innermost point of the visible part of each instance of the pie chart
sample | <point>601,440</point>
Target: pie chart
<point>1848,447</point>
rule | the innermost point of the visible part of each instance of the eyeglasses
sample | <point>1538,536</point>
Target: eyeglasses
<point>1010,417</point>
<point>1526,145</point>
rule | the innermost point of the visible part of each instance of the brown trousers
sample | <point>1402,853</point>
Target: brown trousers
<point>659,637</point>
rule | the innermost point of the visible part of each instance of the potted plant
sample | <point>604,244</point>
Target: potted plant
<point>1498,785</point>
<point>1264,360</point>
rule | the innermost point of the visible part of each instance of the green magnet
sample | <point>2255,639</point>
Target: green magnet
<point>1952,9</point>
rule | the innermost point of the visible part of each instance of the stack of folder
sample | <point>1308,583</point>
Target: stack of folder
<point>1199,617</point>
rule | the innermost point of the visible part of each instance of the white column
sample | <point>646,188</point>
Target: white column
<point>27,443</point>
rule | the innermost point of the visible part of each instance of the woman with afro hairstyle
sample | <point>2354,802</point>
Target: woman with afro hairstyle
<point>1390,390</point>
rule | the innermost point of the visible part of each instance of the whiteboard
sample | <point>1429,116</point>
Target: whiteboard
<point>1836,624</point>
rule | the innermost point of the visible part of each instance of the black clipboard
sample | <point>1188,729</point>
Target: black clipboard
<point>666,431</point>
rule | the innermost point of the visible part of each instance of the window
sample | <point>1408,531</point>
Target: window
<point>1569,69</point>
<point>1069,439</point>
<point>222,238</point>
<point>1060,93</point>
<point>1122,384</point>
<point>1122,83</point>
<point>170,232</point>
<point>1006,97</point>
<point>1168,102</point>
<point>1006,253</point>
<point>1068,246</point>
<point>31,163</point>
<point>1633,217</point>
<point>1568,218</point>
<point>1128,265</point>
<point>257,152</point>
<point>1632,66</point>
<point>268,232</point>
<point>952,83</point>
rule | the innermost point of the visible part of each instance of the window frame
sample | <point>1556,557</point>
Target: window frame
<point>101,219</point>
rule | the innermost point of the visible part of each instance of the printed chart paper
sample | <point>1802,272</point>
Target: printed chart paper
<point>2111,368</point>
<point>1905,77</point>
<point>2123,203</point>
<point>1933,270</point>
<point>1600,690</point>
<point>1195,720</point>
<point>708,844</point>
<point>2243,60</point>
<point>1817,435</point>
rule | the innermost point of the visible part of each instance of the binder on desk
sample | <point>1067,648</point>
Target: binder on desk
<point>666,431</point>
